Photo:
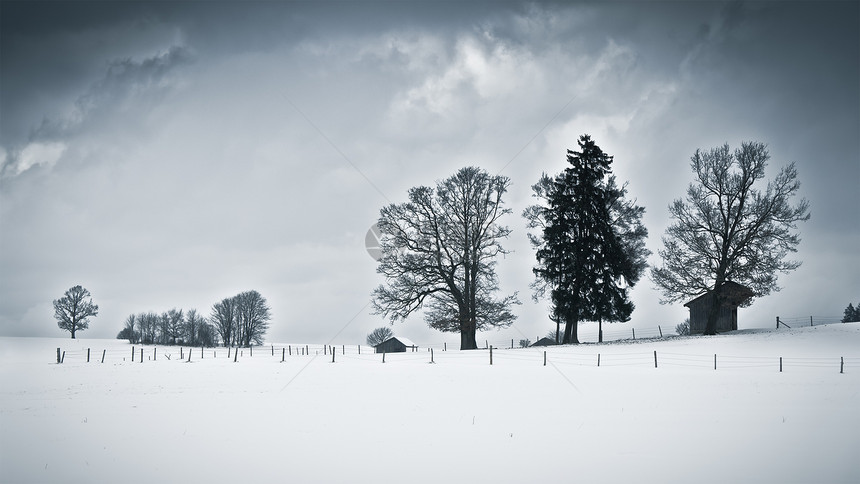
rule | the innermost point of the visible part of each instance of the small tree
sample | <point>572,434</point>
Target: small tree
<point>223,319</point>
<point>193,323</point>
<point>73,310</point>
<point>173,325</point>
<point>851,314</point>
<point>683,329</point>
<point>252,317</point>
<point>379,335</point>
<point>206,335</point>
<point>128,331</point>
<point>524,343</point>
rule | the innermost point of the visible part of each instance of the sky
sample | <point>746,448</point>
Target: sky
<point>171,154</point>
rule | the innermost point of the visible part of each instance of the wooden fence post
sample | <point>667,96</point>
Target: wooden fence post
<point>283,354</point>
<point>777,322</point>
<point>201,352</point>
<point>383,357</point>
<point>810,321</point>
<point>634,333</point>
<point>141,355</point>
<point>598,359</point>
<point>251,349</point>
<point>103,355</point>
<point>780,364</point>
<point>228,352</point>
<point>491,355</point>
<point>58,355</point>
<point>132,353</point>
<point>154,353</point>
<point>715,361</point>
<point>290,349</point>
<point>544,358</point>
<point>660,329</point>
<point>332,355</point>
<point>841,364</point>
<point>359,349</point>
<point>512,343</point>
<point>235,354</point>
<point>445,346</point>
<point>655,358</point>
<point>88,355</point>
<point>431,356</point>
<point>325,349</point>
<point>63,358</point>
<point>181,353</point>
<point>189,355</point>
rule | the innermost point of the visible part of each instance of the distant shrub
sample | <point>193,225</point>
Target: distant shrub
<point>524,343</point>
<point>684,328</point>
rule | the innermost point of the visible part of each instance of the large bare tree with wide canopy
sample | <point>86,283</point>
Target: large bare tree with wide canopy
<point>439,253</point>
<point>729,229</point>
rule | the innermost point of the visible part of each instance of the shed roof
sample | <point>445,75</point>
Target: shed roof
<point>406,341</point>
<point>732,291</point>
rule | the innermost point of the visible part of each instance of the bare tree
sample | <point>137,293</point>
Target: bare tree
<point>729,230</point>
<point>440,248</point>
<point>73,310</point>
<point>379,335</point>
<point>253,318</point>
<point>172,326</point>
<point>206,333</point>
<point>148,324</point>
<point>192,328</point>
<point>223,319</point>
<point>128,331</point>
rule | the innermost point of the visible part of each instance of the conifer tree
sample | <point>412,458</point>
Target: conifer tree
<point>590,249</point>
<point>851,314</point>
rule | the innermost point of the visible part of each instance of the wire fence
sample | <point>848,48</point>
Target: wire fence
<point>806,321</point>
<point>557,356</point>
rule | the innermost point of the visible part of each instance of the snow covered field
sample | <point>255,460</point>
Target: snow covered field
<point>458,420</point>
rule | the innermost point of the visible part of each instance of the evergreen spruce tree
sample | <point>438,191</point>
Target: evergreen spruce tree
<point>851,314</point>
<point>590,250</point>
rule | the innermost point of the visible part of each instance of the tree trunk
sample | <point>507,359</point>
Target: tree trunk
<point>713,313</point>
<point>570,332</point>
<point>467,338</point>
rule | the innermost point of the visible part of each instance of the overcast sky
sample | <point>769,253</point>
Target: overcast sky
<point>172,154</point>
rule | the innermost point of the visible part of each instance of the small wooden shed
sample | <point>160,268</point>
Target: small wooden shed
<point>396,344</point>
<point>545,342</point>
<point>733,295</point>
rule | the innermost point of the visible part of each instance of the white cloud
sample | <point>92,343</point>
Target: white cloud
<point>38,154</point>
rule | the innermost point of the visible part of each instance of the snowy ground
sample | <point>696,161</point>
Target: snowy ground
<point>359,420</point>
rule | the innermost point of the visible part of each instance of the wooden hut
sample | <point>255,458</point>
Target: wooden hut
<point>733,295</point>
<point>397,344</point>
<point>545,342</point>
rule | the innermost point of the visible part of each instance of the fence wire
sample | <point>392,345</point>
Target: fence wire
<point>531,356</point>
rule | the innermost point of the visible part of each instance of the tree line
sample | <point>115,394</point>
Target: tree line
<point>439,251</point>
<point>241,320</point>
